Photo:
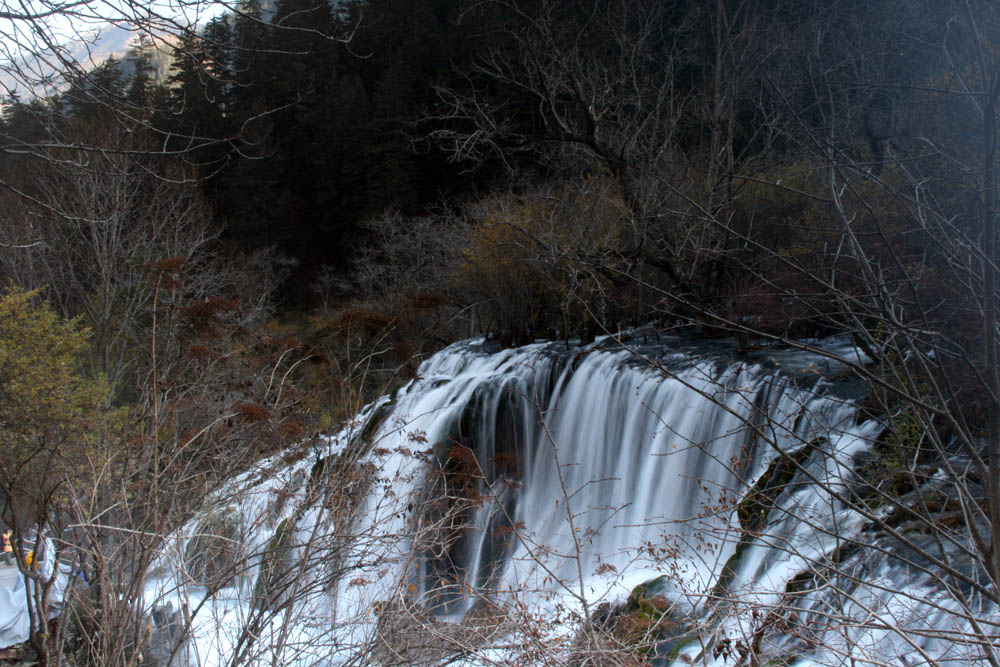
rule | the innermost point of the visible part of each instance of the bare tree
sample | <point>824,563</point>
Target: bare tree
<point>193,390</point>
<point>623,86</point>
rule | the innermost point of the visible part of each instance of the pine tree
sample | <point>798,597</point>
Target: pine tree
<point>197,100</point>
<point>138,93</point>
<point>94,96</point>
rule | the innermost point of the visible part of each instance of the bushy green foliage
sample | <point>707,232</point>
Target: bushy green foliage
<point>49,413</point>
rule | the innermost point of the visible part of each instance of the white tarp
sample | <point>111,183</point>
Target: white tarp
<point>14,621</point>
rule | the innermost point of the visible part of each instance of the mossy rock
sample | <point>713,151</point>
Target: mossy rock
<point>807,580</point>
<point>758,501</point>
<point>647,620</point>
<point>803,582</point>
<point>729,571</point>
<point>645,631</point>
<point>318,475</point>
<point>318,469</point>
<point>672,651</point>
<point>884,470</point>
<point>275,566</point>
<point>642,596</point>
<point>213,555</point>
<point>756,506</point>
<point>361,443</point>
<point>645,627</point>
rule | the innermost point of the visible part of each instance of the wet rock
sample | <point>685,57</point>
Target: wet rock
<point>167,644</point>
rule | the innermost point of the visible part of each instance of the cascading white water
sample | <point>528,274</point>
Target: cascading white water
<point>593,471</point>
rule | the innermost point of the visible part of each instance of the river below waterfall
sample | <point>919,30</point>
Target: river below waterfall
<point>488,510</point>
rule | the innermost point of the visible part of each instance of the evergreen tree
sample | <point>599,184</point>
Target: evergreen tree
<point>94,96</point>
<point>197,100</point>
<point>138,94</point>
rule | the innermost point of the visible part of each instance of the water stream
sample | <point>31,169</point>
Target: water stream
<point>542,485</point>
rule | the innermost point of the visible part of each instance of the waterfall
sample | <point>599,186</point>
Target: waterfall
<point>548,482</point>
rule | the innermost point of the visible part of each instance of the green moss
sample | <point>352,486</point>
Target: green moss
<point>753,510</point>
<point>211,555</point>
<point>674,651</point>
<point>757,503</point>
<point>361,443</point>
<point>274,566</point>
<point>884,472</point>
<point>642,594</point>
<point>806,580</point>
<point>325,422</point>
<point>802,582</point>
<point>647,621</point>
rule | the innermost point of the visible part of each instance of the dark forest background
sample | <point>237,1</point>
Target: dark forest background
<point>417,172</point>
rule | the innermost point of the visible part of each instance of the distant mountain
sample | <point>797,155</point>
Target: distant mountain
<point>39,75</point>
<point>42,77</point>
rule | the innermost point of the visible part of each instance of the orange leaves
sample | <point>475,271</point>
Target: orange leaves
<point>362,319</point>
<point>465,458</point>
<point>606,568</point>
<point>290,429</point>
<point>506,461</point>
<point>204,317</point>
<point>462,470</point>
<point>505,529</point>
<point>252,412</point>
<point>167,271</point>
